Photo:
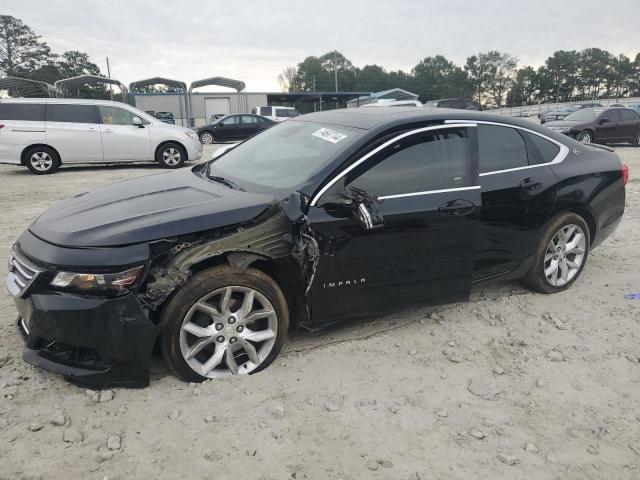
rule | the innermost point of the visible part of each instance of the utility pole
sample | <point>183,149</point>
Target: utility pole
<point>109,75</point>
<point>335,67</point>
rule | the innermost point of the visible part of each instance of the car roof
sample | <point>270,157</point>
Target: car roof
<point>81,101</point>
<point>369,118</point>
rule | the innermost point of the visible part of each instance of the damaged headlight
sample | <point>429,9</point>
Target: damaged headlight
<point>99,283</point>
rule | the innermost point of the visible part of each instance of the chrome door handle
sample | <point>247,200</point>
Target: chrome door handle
<point>92,128</point>
<point>108,130</point>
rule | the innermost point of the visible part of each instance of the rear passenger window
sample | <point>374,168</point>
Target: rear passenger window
<point>628,115</point>
<point>72,113</point>
<point>544,150</point>
<point>500,148</point>
<point>33,112</point>
<point>419,163</point>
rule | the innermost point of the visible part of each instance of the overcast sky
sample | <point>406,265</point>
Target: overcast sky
<point>255,39</point>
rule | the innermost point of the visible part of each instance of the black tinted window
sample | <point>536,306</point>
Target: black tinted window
<point>628,115</point>
<point>72,113</point>
<point>423,162</point>
<point>500,148</point>
<point>544,151</point>
<point>266,110</point>
<point>612,115</point>
<point>22,111</point>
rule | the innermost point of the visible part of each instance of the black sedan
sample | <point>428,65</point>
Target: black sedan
<point>233,128</point>
<point>601,125</point>
<point>322,218</point>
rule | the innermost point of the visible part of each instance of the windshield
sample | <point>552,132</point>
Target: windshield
<point>285,155</point>
<point>586,114</point>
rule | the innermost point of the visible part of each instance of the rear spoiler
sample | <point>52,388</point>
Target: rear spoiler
<point>602,147</point>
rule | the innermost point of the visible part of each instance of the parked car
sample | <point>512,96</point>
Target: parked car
<point>561,112</point>
<point>394,103</point>
<point>601,125</point>
<point>634,106</point>
<point>233,128</point>
<point>276,113</point>
<point>326,217</point>
<point>457,103</point>
<point>44,133</point>
<point>166,117</point>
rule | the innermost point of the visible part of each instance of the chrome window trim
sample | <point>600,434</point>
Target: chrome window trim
<point>428,192</point>
<point>316,197</point>
<point>562,154</point>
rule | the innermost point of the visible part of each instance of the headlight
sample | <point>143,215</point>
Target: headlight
<point>99,283</point>
<point>191,135</point>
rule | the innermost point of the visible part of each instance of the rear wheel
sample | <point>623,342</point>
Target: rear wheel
<point>636,140</point>
<point>561,255</point>
<point>171,155</point>
<point>206,138</point>
<point>42,160</point>
<point>224,323</point>
<point>585,137</point>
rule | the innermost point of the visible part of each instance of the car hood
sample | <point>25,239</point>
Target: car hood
<point>147,208</point>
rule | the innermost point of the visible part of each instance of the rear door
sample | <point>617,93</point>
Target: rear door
<point>23,124</point>
<point>518,193</point>
<point>121,139</point>
<point>424,185</point>
<point>629,123</point>
<point>73,130</point>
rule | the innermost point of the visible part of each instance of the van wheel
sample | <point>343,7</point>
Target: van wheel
<point>171,155</point>
<point>42,160</point>
<point>561,255</point>
<point>223,323</point>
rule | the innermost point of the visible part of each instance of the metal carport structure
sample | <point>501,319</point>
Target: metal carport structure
<point>66,84</point>
<point>27,87</point>
<point>137,86</point>
<point>237,85</point>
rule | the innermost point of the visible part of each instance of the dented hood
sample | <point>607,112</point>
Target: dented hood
<point>147,208</point>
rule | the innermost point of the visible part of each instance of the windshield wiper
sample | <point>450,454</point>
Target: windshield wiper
<point>226,181</point>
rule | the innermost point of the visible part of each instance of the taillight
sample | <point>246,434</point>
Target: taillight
<point>625,173</point>
<point>1,125</point>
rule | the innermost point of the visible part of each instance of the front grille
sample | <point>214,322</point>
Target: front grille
<point>21,274</point>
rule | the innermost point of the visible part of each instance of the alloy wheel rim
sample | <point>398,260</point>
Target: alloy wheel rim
<point>564,255</point>
<point>171,156</point>
<point>206,138</point>
<point>41,161</point>
<point>227,332</point>
<point>585,138</point>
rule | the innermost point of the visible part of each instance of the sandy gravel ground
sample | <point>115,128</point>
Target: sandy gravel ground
<point>512,385</point>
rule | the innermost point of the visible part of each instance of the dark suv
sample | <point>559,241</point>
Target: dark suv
<point>600,125</point>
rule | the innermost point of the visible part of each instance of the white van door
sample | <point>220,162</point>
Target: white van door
<point>73,130</point>
<point>121,139</point>
<point>21,125</point>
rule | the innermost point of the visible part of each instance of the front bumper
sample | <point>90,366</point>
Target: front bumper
<point>194,150</point>
<point>92,342</point>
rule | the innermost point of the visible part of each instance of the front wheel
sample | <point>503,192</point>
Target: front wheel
<point>561,255</point>
<point>206,138</point>
<point>224,323</point>
<point>42,160</point>
<point>171,155</point>
<point>585,137</point>
<point>636,140</point>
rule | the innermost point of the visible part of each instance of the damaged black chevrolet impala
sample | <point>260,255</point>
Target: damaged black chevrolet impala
<point>325,217</point>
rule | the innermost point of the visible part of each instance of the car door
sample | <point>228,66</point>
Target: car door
<point>121,139</point>
<point>398,227</point>
<point>629,122</point>
<point>249,125</point>
<point>73,130</point>
<point>518,193</point>
<point>607,126</point>
<point>228,128</point>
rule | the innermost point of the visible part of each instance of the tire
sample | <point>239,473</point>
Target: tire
<point>171,155</point>
<point>42,160</point>
<point>585,137</point>
<point>538,278</point>
<point>186,325</point>
<point>206,138</point>
<point>636,140</point>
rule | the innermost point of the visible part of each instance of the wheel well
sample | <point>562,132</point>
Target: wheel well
<point>23,155</point>
<point>155,154</point>
<point>589,218</point>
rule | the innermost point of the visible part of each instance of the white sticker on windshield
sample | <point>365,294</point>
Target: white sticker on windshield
<point>329,135</point>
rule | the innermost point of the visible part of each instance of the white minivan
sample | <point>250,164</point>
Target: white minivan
<point>43,133</point>
<point>276,112</point>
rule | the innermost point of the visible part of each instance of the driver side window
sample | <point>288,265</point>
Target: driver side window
<point>431,160</point>
<point>115,116</point>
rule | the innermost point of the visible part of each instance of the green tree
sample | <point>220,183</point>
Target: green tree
<point>21,50</point>
<point>437,77</point>
<point>287,79</point>
<point>525,89</point>
<point>491,75</point>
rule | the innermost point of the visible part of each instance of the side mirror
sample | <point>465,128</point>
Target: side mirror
<point>137,121</point>
<point>603,120</point>
<point>368,218</point>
